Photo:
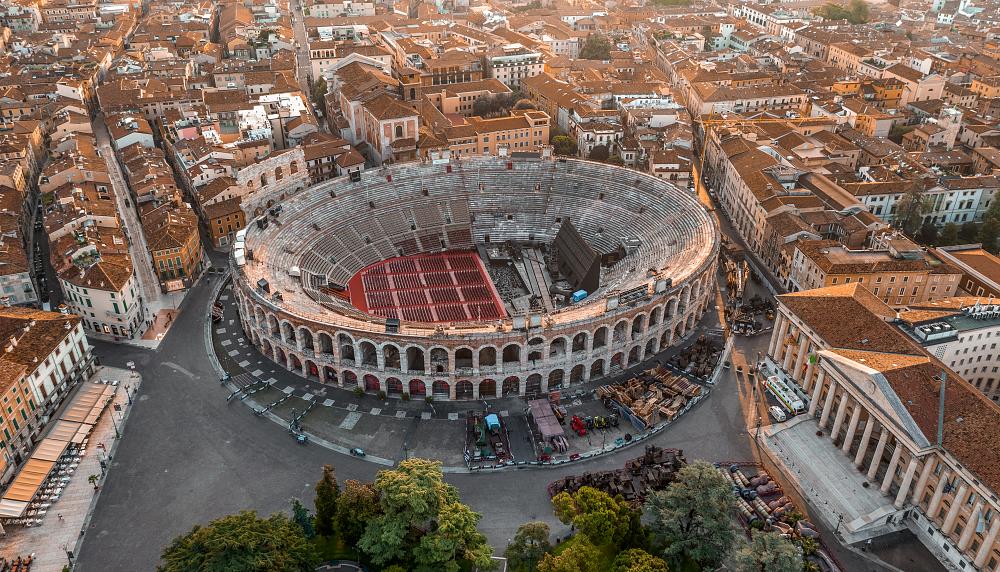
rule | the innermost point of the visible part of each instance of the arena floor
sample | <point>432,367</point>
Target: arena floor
<point>442,287</point>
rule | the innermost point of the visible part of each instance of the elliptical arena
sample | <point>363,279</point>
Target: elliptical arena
<point>474,279</point>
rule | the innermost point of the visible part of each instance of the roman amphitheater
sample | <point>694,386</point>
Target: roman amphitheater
<point>475,278</point>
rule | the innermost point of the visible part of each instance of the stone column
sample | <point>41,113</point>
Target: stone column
<point>786,363</point>
<point>970,527</point>
<point>777,335</point>
<point>828,405</point>
<point>841,413</point>
<point>817,390</point>
<point>883,438</point>
<point>956,505</point>
<point>988,542</point>
<point>925,474</point>
<point>800,358</point>
<point>932,507</point>
<point>904,487</point>
<point>852,428</point>
<point>866,438</point>
<point>890,472</point>
<point>808,379</point>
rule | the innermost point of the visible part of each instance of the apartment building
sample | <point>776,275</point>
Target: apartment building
<point>512,63</point>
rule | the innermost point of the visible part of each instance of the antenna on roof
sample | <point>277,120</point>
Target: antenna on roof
<point>940,427</point>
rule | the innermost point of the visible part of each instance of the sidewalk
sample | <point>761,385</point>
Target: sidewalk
<point>51,541</point>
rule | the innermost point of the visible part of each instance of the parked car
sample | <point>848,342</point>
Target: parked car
<point>777,413</point>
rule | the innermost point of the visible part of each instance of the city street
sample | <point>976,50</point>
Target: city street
<point>302,48</point>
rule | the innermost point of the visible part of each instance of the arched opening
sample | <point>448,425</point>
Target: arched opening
<point>580,342</point>
<point>414,359</point>
<point>487,388</point>
<point>463,358</point>
<point>439,360</point>
<point>655,315</point>
<point>399,132</point>
<point>417,388</point>
<point>393,386</point>
<point>555,379</point>
<point>576,374</point>
<point>330,374</point>
<point>279,356</point>
<point>633,356</point>
<point>597,369</point>
<point>679,330</point>
<point>350,379</point>
<point>279,173</point>
<point>390,356</point>
<point>488,357</point>
<point>463,389</point>
<point>369,355</point>
<point>664,340</point>
<point>534,356</point>
<point>265,348</point>
<point>691,321</point>
<point>371,383</point>
<point>650,349</point>
<point>263,180</point>
<point>294,362</point>
<point>533,385</point>
<point>557,348</point>
<point>312,370</point>
<point>346,348</point>
<point>512,354</point>
<point>287,333</point>
<point>616,360</point>
<point>511,386</point>
<point>294,167</point>
<point>441,389</point>
<point>619,334</point>
<point>272,326</point>
<point>307,338</point>
<point>637,326</point>
<point>325,343</point>
<point>601,337</point>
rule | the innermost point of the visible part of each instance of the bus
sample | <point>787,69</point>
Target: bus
<point>785,396</point>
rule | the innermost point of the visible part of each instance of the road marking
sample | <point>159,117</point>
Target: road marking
<point>288,390</point>
<point>176,367</point>
<point>400,414</point>
<point>375,410</point>
<point>504,413</point>
<point>234,353</point>
<point>327,402</point>
<point>425,415</point>
<point>307,397</point>
<point>244,363</point>
<point>350,421</point>
<point>225,342</point>
<point>352,406</point>
<point>271,381</point>
<point>453,417</point>
<point>220,330</point>
<point>256,373</point>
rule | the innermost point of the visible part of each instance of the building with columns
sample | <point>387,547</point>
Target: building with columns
<point>875,394</point>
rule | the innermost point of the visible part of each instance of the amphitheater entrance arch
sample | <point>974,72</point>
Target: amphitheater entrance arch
<point>650,349</point>
<point>576,374</point>
<point>619,334</point>
<point>393,386</point>
<point>346,347</point>
<point>633,356</point>
<point>439,360</point>
<point>463,358</point>
<point>487,357</point>
<point>533,385</point>
<point>390,357</point>
<point>272,325</point>
<point>265,348</point>
<point>306,338</point>
<point>580,342</point>
<point>637,326</point>
<point>511,354</point>
<point>555,379</point>
<point>440,389</point>
<point>535,349</point>
<point>511,386</point>
<point>414,359</point>
<point>664,340</point>
<point>487,388</point>
<point>279,356</point>
<point>679,330</point>
<point>287,333</point>
<point>417,388</point>
<point>325,343</point>
<point>597,369</point>
<point>463,389</point>
<point>312,370</point>
<point>655,315</point>
<point>557,348</point>
<point>350,378</point>
<point>369,355</point>
<point>601,337</point>
<point>294,362</point>
<point>372,383</point>
<point>330,374</point>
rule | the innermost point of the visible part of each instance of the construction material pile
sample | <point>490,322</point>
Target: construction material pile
<point>700,358</point>
<point>653,471</point>
<point>655,395</point>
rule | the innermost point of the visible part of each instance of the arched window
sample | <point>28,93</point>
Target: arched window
<point>399,131</point>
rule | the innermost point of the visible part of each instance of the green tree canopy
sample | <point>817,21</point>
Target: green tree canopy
<point>326,501</point>
<point>968,232</point>
<point>318,93</point>
<point>241,542</point>
<point>638,560</point>
<point>595,513</point>
<point>928,233</point>
<point>857,12</point>
<point>580,556</point>
<point>596,47</point>
<point>564,145</point>
<point>599,153</point>
<point>693,516</point>
<point>356,505</point>
<point>988,234</point>
<point>528,546</point>
<point>909,210</point>
<point>768,552</point>
<point>301,517</point>
<point>949,234</point>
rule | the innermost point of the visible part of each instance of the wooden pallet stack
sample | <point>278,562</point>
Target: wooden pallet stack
<point>655,395</point>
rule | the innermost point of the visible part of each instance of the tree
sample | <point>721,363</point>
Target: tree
<point>638,560</point>
<point>318,93</point>
<point>928,233</point>
<point>949,234</point>
<point>857,12</point>
<point>356,505</point>
<point>300,516</point>
<point>421,514</point>
<point>768,552</point>
<point>910,209</point>
<point>241,542</point>
<point>580,556</point>
<point>596,47</point>
<point>529,545</point>
<point>601,518</point>
<point>693,516</point>
<point>525,104</point>
<point>326,501</point>
<point>599,153</point>
<point>564,145</point>
<point>988,234</point>
<point>968,232</point>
